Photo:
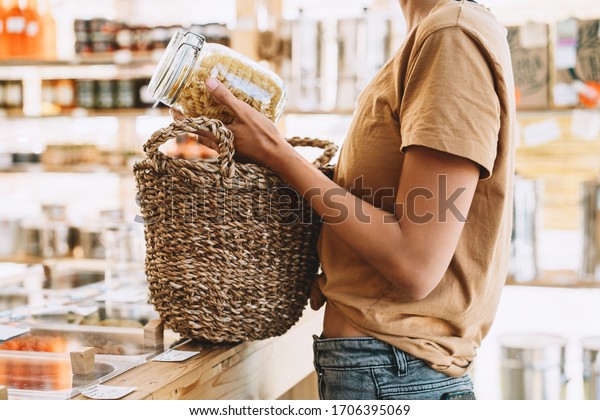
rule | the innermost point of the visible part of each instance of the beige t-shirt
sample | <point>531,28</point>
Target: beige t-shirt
<point>450,88</point>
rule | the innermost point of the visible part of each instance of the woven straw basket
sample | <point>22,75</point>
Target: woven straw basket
<point>230,248</point>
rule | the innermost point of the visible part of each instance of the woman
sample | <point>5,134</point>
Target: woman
<point>416,242</point>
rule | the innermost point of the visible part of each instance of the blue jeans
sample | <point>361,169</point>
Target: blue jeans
<point>365,368</point>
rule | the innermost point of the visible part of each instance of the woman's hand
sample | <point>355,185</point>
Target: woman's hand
<point>257,140</point>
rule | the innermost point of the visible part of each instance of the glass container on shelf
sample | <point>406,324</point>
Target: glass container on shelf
<point>49,235</point>
<point>48,31</point>
<point>105,94</point>
<point>189,60</point>
<point>3,40</point>
<point>15,26</point>
<point>33,33</point>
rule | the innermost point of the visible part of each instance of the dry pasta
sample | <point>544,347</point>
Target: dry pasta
<point>253,87</point>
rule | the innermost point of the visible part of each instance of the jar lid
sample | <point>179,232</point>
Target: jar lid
<point>175,66</point>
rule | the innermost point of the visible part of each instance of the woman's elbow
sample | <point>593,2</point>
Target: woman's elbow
<point>416,284</point>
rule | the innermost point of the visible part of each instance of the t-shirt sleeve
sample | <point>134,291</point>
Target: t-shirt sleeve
<point>449,101</point>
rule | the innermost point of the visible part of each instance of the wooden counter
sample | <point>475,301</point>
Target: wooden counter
<point>263,370</point>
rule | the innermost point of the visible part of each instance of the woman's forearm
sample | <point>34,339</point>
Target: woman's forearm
<point>412,247</point>
<point>373,233</point>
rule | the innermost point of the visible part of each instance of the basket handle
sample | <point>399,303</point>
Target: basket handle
<point>329,148</point>
<point>193,125</point>
<point>225,139</point>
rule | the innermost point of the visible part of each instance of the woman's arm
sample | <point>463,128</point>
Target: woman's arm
<point>411,248</point>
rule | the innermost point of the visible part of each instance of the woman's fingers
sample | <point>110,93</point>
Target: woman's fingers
<point>225,97</point>
<point>176,115</point>
<point>206,138</point>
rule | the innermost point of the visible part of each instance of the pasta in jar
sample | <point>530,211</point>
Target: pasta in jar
<point>188,61</point>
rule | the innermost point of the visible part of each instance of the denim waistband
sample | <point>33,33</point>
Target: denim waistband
<point>365,352</point>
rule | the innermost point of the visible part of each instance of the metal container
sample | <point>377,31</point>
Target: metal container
<point>304,66</point>
<point>49,235</point>
<point>359,60</point>
<point>591,368</point>
<point>10,237</point>
<point>352,52</point>
<point>591,230</point>
<point>328,65</point>
<point>91,236</point>
<point>527,220</point>
<point>533,367</point>
<point>47,239</point>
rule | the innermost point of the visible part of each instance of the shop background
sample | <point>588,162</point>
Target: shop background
<point>567,311</point>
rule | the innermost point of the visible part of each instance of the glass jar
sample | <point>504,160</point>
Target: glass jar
<point>189,60</point>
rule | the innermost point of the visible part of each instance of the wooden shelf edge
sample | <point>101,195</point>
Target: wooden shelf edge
<point>557,279</point>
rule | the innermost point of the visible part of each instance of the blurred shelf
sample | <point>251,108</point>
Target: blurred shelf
<point>319,112</point>
<point>119,58</point>
<point>560,278</point>
<point>84,112</point>
<point>78,169</point>
<point>21,259</point>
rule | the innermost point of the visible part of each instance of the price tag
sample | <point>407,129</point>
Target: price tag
<point>103,392</point>
<point>123,57</point>
<point>6,332</point>
<point>533,35</point>
<point>565,94</point>
<point>565,55</point>
<point>540,133</point>
<point>175,356</point>
<point>585,124</point>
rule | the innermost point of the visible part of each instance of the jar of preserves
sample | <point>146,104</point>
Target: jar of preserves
<point>189,60</point>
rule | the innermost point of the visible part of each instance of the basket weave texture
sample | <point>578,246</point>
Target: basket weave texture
<point>230,247</point>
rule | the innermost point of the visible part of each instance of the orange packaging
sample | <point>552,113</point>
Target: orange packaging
<point>33,31</point>
<point>14,30</point>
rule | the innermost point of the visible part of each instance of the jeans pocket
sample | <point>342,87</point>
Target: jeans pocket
<point>459,395</point>
<point>346,384</point>
<point>424,386</point>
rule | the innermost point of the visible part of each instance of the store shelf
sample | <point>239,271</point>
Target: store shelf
<point>21,259</point>
<point>319,112</point>
<point>76,169</point>
<point>559,278</point>
<point>84,112</point>
<point>120,58</point>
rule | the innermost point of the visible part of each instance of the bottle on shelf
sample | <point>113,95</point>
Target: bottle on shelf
<point>48,31</point>
<point>3,41</point>
<point>33,32</point>
<point>15,25</point>
<point>13,94</point>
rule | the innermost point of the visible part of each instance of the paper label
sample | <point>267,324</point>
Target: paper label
<point>123,57</point>
<point>15,25</point>
<point>7,332</point>
<point>175,356</point>
<point>539,133</point>
<point>566,44</point>
<point>104,392</point>
<point>32,29</point>
<point>585,124</point>
<point>565,95</point>
<point>533,35</point>
<point>565,57</point>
